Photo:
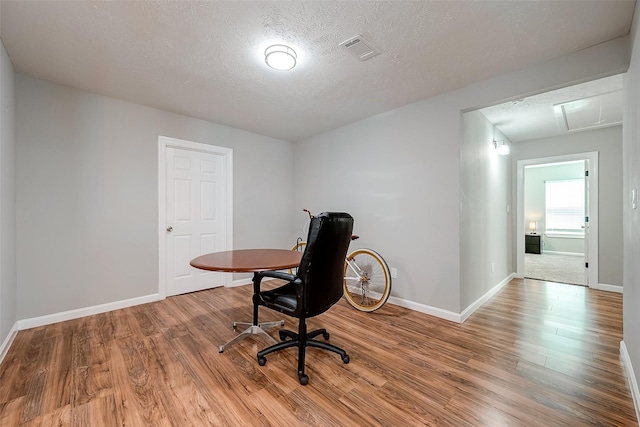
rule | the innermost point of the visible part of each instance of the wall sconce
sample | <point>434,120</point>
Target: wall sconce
<point>532,227</point>
<point>501,147</point>
<point>280,57</point>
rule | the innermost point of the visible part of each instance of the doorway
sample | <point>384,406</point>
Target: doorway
<point>554,215</point>
<point>195,212</point>
<point>590,233</point>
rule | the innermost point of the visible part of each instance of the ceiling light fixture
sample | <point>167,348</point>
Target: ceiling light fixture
<point>280,57</point>
<point>501,147</point>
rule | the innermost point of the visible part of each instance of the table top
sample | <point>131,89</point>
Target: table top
<point>248,260</point>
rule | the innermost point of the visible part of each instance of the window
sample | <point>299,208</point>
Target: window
<point>564,209</point>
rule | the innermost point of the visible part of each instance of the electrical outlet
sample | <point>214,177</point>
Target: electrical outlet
<point>394,273</point>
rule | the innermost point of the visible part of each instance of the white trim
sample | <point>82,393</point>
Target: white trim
<point>86,311</point>
<point>592,158</point>
<point>484,298</point>
<point>165,142</point>
<point>450,315</point>
<point>562,253</point>
<point>609,288</point>
<point>631,378</point>
<point>4,348</point>
<point>426,309</point>
<point>241,282</point>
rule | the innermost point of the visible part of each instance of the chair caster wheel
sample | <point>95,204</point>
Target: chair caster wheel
<point>304,379</point>
<point>346,359</point>
<point>262,360</point>
<point>326,336</point>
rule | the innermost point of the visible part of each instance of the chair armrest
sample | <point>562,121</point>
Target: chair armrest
<point>258,276</point>
<point>275,275</point>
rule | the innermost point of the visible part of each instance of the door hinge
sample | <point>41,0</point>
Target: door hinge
<point>586,173</point>
<point>586,219</point>
<point>586,265</point>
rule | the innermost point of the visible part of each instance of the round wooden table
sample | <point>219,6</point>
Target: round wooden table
<point>249,260</point>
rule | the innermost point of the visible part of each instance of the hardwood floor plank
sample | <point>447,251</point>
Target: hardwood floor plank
<point>11,411</point>
<point>60,368</point>
<point>134,382</point>
<point>21,360</point>
<point>36,381</point>
<point>274,405</point>
<point>100,412</point>
<point>60,417</point>
<point>537,353</point>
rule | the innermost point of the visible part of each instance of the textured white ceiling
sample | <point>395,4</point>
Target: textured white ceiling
<point>534,117</point>
<point>205,59</point>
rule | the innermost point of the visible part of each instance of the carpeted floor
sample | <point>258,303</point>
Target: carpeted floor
<point>555,268</point>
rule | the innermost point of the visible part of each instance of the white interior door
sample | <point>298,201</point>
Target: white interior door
<point>196,209</point>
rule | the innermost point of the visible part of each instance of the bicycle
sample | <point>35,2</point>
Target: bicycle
<point>367,279</point>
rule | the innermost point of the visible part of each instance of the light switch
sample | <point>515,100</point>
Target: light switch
<point>634,198</point>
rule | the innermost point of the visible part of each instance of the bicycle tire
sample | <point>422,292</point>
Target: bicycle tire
<point>369,288</point>
<point>297,247</point>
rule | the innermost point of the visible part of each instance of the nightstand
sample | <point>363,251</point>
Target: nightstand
<point>532,244</point>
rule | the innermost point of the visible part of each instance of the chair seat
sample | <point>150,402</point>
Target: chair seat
<point>283,299</point>
<point>287,301</point>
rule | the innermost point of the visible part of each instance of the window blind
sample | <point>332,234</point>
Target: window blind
<point>564,206</point>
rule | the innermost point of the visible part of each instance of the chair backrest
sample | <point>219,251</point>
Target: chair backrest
<point>322,264</point>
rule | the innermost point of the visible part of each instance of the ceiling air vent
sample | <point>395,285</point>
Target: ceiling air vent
<point>359,48</point>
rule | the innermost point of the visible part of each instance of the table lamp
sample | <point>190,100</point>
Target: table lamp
<point>532,227</point>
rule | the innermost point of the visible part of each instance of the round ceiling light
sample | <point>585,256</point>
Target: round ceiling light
<point>280,57</point>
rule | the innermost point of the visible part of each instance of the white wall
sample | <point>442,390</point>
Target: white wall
<point>631,217</point>
<point>8,282</point>
<point>87,194</point>
<point>399,174</point>
<point>485,210</point>
<point>608,143</point>
<point>400,182</point>
<point>534,203</point>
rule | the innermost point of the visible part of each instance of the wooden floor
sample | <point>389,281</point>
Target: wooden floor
<point>537,354</point>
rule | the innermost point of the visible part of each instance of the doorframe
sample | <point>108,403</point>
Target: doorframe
<point>165,142</point>
<point>592,157</point>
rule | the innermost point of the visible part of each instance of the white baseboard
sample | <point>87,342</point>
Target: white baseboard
<point>426,309</point>
<point>484,298</point>
<point>240,282</point>
<point>610,288</point>
<point>631,378</point>
<point>87,311</point>
<point>4,348</point>
<point>450,315</point>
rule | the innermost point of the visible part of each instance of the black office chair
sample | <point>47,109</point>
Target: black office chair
<point>316,286</point>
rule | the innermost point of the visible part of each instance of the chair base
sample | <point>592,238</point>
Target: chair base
<point>258,329</point>
<point>301,341</point>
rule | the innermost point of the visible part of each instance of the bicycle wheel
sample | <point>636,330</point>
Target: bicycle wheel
<point>367,280</point>
<point>300,248</point>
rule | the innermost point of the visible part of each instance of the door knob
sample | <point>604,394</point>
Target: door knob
<point>169,229</point>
